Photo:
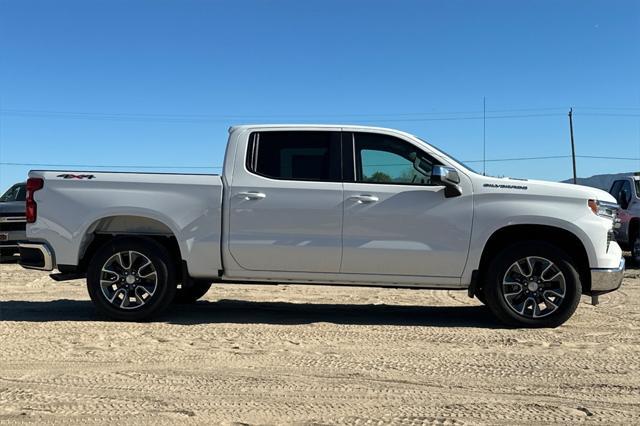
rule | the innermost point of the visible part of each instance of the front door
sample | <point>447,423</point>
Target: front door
<point>286,203</point>
<point>396,222</point>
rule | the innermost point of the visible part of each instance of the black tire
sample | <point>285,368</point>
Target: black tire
<point>535,291</point>
<point>163,282</point>
<point>635,249</point>
<point>185,295</point>
<point>480,296</point>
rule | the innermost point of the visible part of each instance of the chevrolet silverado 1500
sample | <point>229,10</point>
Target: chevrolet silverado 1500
<point>333,205</point>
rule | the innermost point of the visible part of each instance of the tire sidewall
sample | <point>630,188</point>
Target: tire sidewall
<point>160,259</point>
<point>193,293</point>
<point>504,260</point>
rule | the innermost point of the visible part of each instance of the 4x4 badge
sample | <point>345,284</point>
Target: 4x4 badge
<point>70,176</point>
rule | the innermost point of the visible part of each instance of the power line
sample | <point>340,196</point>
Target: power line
<point>369,117</point>
<point>609,158</point>
<point>479,117</point>
<point>548,157</point>
<point>194,120</point>
<point>628,108</point>
<point>609,114</point>
<point>240,116</point>
<point>135,166</point>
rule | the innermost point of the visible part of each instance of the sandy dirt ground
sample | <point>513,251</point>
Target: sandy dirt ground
<point>305,354</point>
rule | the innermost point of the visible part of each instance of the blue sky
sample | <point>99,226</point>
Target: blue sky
<point>158,82</point>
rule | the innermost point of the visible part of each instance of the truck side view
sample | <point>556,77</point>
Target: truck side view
<point>334,205</point>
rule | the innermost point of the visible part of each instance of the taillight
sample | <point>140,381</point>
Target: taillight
<point>33,185</point>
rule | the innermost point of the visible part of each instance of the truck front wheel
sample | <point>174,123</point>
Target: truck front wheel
<point>131,279</point>
<point>532,284</point>
<point>191,294</point>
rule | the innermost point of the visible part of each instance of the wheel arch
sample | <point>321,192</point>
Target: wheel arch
<point>107,228</point>
<point>564,239</point>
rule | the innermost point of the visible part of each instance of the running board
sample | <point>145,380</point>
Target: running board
<point>67,277</point>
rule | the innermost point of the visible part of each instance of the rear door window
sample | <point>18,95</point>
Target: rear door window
<point>296,155</point>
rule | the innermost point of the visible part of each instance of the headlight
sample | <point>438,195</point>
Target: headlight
<point>604,209</point>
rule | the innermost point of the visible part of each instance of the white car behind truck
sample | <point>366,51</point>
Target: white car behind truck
<point>332,205</point>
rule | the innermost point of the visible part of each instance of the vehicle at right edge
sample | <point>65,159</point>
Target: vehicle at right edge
<point>626,191</point>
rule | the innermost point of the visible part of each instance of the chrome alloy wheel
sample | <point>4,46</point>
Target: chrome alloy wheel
<point>534,287</point>
<point>128,279</point>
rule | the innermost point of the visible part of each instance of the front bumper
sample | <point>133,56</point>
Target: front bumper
<point>606,280</point>
<point>36,256</point>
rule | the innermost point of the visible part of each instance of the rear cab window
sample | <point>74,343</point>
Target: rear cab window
<point>17,192</point>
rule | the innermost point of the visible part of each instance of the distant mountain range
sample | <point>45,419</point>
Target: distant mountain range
<point>600,181</point>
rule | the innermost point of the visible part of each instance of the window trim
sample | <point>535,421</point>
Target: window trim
<point>435,162</point>
<point>251,156</point>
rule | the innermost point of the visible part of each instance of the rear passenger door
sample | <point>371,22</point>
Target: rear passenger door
<point>286,203</point>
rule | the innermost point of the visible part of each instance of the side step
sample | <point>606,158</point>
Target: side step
<point>68,276</point>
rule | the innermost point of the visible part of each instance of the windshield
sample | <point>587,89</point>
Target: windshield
<point>17,192</point>
<point>451,157</point>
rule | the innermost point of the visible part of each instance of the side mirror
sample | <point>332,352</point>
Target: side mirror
<point>449,178</point>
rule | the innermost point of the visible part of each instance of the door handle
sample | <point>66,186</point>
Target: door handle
<point>252,195</point>
<point>365,198</point>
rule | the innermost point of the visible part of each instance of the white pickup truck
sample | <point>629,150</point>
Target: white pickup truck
<point>332,205</point>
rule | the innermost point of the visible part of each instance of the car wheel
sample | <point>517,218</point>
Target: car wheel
<point>533,284</point>
<point>131,279</point>
<point>191,294</point>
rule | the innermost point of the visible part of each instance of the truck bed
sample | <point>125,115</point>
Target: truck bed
<point>74,207</point>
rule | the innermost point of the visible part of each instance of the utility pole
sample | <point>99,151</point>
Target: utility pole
<point>594,299</point>
<point>484,136</point>
<point>573,146</point>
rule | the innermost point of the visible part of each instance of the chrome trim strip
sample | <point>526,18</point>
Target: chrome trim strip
<point>46,254</point>
<point>607,279</point>
<point>13,219</point>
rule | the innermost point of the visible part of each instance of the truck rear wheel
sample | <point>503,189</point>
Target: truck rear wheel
<point>532,284</point>
<point>131,279</point>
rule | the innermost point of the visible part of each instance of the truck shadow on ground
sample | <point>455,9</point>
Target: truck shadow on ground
<point>273,313</point>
